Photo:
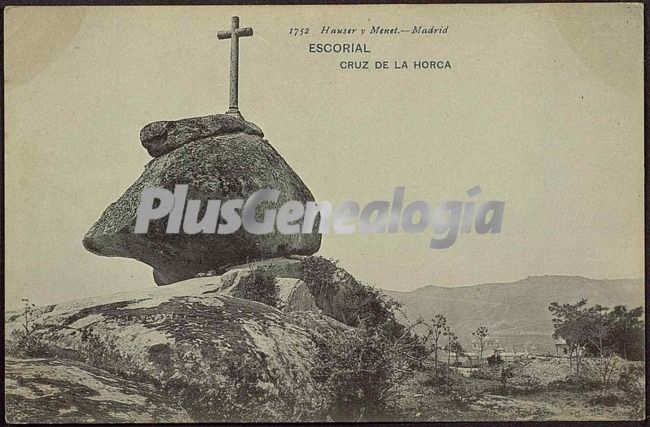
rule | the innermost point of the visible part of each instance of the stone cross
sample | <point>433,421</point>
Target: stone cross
<point>234,34</point>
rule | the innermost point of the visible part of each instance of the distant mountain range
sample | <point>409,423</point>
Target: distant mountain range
<point>515,313</point>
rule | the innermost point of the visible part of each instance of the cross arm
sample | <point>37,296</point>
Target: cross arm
<point>240,32</point>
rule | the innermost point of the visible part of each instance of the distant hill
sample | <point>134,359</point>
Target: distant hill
<point>515,313</point>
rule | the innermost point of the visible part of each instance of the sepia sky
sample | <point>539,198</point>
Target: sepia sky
<point>543,108</point>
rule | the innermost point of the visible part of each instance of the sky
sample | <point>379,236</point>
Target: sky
<point>543,108</point>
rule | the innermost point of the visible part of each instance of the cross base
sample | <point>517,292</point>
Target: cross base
<point>235,112</point>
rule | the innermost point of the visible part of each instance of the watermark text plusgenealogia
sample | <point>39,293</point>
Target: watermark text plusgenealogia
<point>446,220</point>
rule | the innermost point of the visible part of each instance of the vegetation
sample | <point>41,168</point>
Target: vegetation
<point>457,349</point>
<point>439,336</point>
<point>630,381</point>
<point>360,304</point>
<point>481,334</point>
<point>379,369</point>
<point>452,341</point>
<point>372,360</point>
<point>627,331</point>
<point>320,274</point>
<point>436,329</point>
<point>599,332</point>
<point>260,285</point>
<point>362,371</point>
<point>242,401</point>
<point>25,342</point>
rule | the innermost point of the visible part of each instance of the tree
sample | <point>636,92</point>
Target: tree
<point>457,348</point>
<point>452,340</point>
<point>627,332</point>
<point>599,324</point>
<point>481,334</point>
<point>571,324</point>
<point>598,331</point>
<point>436,330</point>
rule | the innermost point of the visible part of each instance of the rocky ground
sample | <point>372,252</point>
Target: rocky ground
<point>196,351</point>
<point>481,399</point>
<point>64,391</point>
<point>220,356</point>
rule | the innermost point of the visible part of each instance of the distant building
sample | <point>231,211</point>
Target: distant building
<point>564,349</point>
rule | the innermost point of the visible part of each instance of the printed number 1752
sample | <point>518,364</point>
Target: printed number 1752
<point>298,31</point>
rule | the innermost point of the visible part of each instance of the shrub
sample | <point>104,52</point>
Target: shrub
<point>243,396</point>
<point>445,381</point>
<point>361,373</point>
<point>319,274</point>
<point>373,359</point>
<point>260,285</point>
<point>25,342</point>
<point>629,379</point>
<point>361,304</point>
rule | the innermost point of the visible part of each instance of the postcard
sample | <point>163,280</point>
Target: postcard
<point>298,213</point>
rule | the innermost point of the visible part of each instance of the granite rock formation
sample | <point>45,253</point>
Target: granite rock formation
<point>220,357</point>
<point>214,355</point>
<point>220,157</point>
<point>65,391</point>
<point>165,136</point>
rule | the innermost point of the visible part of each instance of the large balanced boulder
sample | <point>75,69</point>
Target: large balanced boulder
<point>220,157</point>
<point>221,358</point>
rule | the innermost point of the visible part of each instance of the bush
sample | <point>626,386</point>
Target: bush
<point>459,400</point>
<point>319,274</point>
<point>629,379</point>
<point>355,373</point>
<point>260,285</point>
<point>361,304</point>
<point>242,401</point>
<point>362,372</point>
<point>25,342</point>
<point>379,354</point>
